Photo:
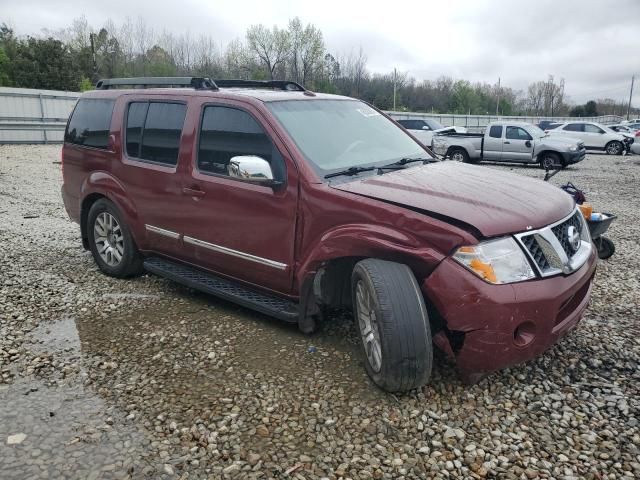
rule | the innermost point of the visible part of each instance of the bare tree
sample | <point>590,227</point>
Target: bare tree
<point>270,46</point>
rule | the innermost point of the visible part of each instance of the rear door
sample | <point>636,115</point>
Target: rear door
<point>231,226</point>
<point>493,143</point>
<point>517,145</point>
<point>152,132</point>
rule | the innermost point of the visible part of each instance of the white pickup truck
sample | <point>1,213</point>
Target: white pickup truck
<point>517,142</point>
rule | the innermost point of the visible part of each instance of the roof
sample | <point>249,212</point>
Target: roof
<point>261,94</point>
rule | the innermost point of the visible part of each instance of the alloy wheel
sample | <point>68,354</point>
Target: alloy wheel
<point>368,324</point>
<point>109,239</point>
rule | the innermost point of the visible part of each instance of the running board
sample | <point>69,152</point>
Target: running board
<point>262,302</point>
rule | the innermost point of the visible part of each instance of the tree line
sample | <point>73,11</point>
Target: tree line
<point>74,58</point>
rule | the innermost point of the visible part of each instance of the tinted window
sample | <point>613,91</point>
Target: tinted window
<point>517,133</point>
<point>495,131</point>
<point>433,125</point>
<point>136,116</point>
<point>228,132</point>
<point>412,124</point>
<point>90,122</point>
<point>161,134</point>
<point>574,127</point>
<point>592,128</point>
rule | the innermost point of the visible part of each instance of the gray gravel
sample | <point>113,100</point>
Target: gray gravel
<point>101,378</point>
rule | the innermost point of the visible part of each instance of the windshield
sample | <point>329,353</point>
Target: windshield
<point>433,124</point>
<point>338,134</point>
<point>534,131</point>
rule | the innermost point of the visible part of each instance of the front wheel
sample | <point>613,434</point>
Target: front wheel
<point>549,160</point>
<point>392,320</point>
<point>614,148</point>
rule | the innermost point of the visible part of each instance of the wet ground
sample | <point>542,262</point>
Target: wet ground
<point>102,378</point>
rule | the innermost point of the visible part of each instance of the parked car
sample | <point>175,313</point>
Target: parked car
<point>595,136</point>
<point>510,142</point>
<point>424,129</point>
<point>291,202</point>
<point>548,125</point>
<point>628,129</point>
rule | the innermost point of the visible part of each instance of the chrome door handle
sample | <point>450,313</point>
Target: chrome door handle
<point>192,192</point>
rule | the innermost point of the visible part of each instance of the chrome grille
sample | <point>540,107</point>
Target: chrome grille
<point>536,252</point>
<point>560,231</point>
<point>549,249</point>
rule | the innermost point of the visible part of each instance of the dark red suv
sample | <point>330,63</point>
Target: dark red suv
<point>291,202</point>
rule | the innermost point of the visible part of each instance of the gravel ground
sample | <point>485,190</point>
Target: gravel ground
<point>102,378</point>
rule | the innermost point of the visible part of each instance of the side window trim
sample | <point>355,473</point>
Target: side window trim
<point>125,124</point>
<point>196,162</point>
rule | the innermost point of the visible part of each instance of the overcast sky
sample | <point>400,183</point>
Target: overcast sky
<point>593,44</point>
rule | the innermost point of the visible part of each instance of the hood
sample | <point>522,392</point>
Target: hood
<point>492,201</point>
<point>561,142</point>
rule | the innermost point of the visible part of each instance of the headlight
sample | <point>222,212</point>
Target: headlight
<point>573,148</point>
<point>496,261</point>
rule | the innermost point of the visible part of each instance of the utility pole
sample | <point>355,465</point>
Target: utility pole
<point>552,104</point>
<point>630,95</point>
<point>498,101</point>
<point>395,79</point>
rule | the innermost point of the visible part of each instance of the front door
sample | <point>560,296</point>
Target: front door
<point>517,145</point>
<point>234,227</point>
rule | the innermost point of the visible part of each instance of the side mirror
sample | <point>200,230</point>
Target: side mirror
<point>251,168</point>
<point>426,127</point>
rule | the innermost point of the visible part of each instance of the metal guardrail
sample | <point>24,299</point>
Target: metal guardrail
<point>34,116</point>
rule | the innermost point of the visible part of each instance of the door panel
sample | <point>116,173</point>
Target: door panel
<point>233,227</point>
<point>517,145</point>
<point>148,169</point>
<point>493,145</point>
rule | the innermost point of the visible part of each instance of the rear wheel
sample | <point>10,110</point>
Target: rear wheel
<point>459,155</point>
<point>614,148</point>
<point>392,320</point>
<point>111,242</point>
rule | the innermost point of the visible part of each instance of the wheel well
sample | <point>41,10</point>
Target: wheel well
<point>332,284</point>
<point>84,213</point>
<point>454,149</point>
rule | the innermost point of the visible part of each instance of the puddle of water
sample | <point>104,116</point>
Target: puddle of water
<point>68,427</point>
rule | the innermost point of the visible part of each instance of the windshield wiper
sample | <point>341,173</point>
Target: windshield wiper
<point>350,171</point>
<point>406,160</point>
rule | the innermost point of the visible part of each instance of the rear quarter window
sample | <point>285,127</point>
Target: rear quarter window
<point>90,123</point>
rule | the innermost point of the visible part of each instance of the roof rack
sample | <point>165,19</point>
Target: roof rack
<point>275,84</point>
<point>199,83</point>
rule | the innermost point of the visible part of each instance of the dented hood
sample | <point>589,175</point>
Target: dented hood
<point>492,201</point>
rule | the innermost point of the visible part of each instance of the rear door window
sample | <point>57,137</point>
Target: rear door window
<point>574,127</point>
<point>153,131</point>
<point>495,131</point>
<point>90,123</point>
<point>589,128</point>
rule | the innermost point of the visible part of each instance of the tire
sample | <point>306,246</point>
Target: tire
<point>550,159</point>
<point>606,248</point>
<point>614,148</point>
<point>114,251</point>
<point>398,316</point>
<point>459,155</point>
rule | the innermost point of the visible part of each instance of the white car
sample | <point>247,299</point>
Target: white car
<point>595,136</point>
<point>423,129</point>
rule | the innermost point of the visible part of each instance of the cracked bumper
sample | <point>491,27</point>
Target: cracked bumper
<point>493,318</point>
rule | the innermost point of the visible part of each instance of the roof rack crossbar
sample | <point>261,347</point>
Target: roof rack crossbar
<point>275,84</point>
<point>198,83</point>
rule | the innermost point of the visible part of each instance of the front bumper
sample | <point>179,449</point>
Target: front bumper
<point>573,157</point>
<point>489,327</point>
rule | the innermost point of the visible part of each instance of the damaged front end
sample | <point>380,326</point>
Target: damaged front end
<point>485,327</point>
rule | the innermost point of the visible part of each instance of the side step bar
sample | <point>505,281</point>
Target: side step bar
<point>226,289</point>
